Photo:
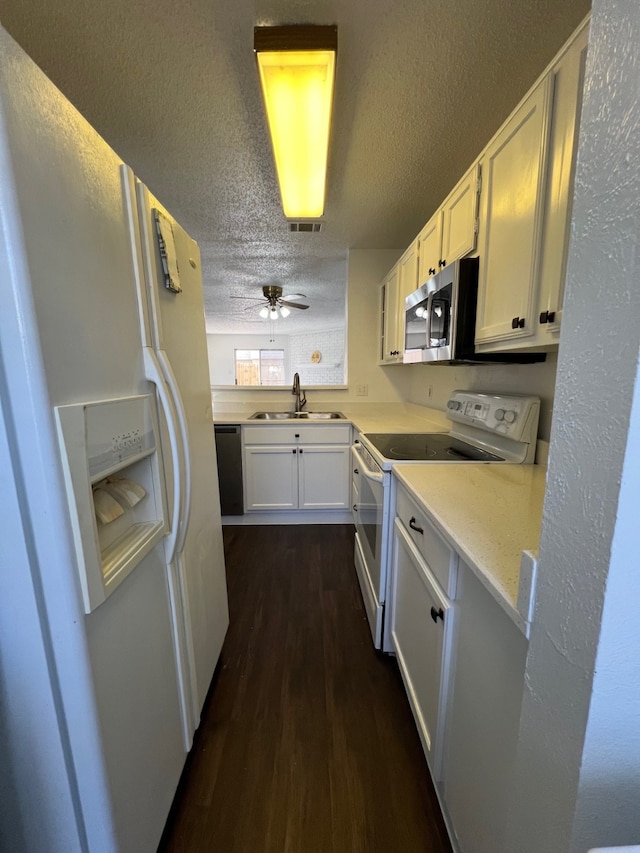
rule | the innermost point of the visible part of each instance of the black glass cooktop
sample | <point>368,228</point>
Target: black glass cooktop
<point>426,446</point>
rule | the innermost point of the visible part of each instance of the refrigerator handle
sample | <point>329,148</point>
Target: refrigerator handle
<point>154,374</point>
<point>170,379</point>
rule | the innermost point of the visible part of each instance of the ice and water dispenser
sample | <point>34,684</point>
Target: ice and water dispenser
<point>114,479</point>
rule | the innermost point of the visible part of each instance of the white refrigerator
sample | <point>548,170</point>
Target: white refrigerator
<point>113,604</point>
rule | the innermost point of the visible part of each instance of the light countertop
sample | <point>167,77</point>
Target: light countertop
<point>489,514</point>
<point>366,417</point>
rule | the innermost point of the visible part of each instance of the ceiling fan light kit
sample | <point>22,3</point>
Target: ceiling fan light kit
<point>296,66</point>
<point>275,305</point>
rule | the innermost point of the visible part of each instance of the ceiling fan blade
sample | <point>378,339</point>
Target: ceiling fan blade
<point>292,304</point>
<point>294,296</point>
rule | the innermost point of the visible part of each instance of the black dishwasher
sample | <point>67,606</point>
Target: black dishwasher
<point>229,456</point>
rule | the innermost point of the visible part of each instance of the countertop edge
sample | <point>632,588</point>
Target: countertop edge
<point>480,570</point>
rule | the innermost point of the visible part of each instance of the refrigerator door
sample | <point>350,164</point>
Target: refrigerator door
<point>70,333</point>
<point>174,311</point>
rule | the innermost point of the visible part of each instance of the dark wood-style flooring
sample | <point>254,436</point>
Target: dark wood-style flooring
<point>307,743</point>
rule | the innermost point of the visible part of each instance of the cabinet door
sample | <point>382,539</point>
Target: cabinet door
<point>429,245</point>
<point>407,283</point>
<point>389,347</point>
<point>568,81</point>
<point>323,477</point>
<point>513,183</point>
<point>459,218</point>
<point>271,477</point>
<point>421,619</point>
<point>483,717</point>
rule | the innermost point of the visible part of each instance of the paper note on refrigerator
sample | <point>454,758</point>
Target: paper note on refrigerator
<point>167,246</point>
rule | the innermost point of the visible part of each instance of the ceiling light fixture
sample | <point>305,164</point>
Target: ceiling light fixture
<point>296,65</point>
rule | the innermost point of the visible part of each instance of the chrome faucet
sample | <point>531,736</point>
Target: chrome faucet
<point>300,397</point>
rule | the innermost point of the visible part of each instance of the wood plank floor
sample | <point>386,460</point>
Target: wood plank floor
<point>307,743</point>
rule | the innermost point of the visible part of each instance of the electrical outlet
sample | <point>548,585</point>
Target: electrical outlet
<point>362,390</point>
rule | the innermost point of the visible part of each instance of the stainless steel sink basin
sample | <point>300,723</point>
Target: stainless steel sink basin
<point>271,416</point>
<point>282,416</point>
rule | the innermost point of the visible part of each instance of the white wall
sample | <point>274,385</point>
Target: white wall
<point>577,775</point>
<point>331,368</point>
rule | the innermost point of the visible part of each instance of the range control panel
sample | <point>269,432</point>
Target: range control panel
<point>512,415</point>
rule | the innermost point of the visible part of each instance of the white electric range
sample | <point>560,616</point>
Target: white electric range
<point>491,428</point>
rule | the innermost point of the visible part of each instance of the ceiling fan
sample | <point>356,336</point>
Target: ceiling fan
<point>275,304</point>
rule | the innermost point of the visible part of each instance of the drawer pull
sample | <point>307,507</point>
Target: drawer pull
<point>355,508</point>
<point>437,614</point>
<point>414,526</point>
<point>355,471</point>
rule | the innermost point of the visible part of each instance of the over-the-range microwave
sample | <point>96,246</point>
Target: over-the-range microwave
<point>440,320</point>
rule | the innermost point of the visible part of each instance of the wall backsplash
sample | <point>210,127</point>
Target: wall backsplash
<point>539,379</point>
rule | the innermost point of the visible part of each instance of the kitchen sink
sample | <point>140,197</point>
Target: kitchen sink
<point>310,416</point>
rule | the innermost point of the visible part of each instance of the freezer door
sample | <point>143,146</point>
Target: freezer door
<point>175,311</point>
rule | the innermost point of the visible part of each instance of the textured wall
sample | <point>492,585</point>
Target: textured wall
<point>573,793</point>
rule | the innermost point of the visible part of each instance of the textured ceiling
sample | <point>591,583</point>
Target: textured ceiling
<point>421,86</point>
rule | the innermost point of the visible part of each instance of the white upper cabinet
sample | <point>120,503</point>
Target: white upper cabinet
<point>568,82</point>
<point>451,232</point>
<point>460,218</point>
<point>528,174</point>
<point>390,350</point>
<point>513,177</point>
<point>429,247</point>
<point>399,283</point>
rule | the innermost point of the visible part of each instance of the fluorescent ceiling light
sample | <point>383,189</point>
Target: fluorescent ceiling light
<point>296,65</point>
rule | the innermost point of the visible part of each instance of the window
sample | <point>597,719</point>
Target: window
<point>259,366</point>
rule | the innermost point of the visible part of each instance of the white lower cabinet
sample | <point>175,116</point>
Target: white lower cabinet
<point>296,467</point>
<point>483,718</point>
<point>271,477</point>
<point>462,660</point>
<point>421,632</point>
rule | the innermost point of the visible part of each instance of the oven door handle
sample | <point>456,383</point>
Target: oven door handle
<point>365,471</point>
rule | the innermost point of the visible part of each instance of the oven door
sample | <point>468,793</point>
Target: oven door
<point>370,517</point>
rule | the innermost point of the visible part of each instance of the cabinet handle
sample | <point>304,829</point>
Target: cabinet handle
<point>294,450</point>
<point>299,450</point>
<point>414,526</point>
<point>296,435</point>
<point>355,508</point>
<point>355,471</point>
<point>547,316</point>
<point>437,614</point>
<point>517,323</point>
<point>432,270</point>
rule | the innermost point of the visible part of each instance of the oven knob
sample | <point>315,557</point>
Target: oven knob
<point>510,417</point>
<point>454,405</point>
<point>499,414</point>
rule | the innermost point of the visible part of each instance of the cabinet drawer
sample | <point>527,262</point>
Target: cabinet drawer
<point>297,434</point>
<point>440,558</point>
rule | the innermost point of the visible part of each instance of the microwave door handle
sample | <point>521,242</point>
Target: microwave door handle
<point>429,315</point>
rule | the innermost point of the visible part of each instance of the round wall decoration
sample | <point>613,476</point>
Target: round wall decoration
<point>316,356</point>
